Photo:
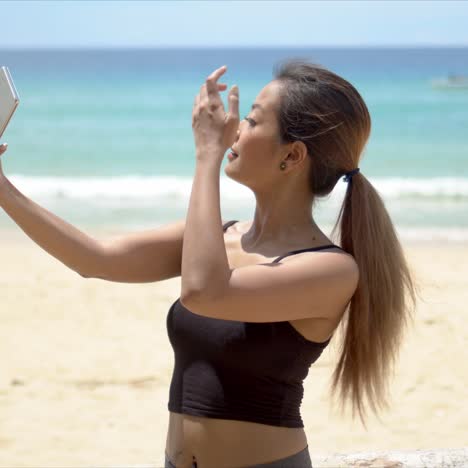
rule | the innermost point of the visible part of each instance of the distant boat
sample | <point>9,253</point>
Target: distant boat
<point>451,82</point>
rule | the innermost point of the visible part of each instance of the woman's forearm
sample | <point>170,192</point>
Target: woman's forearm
<point>60,239</point>
<point>205,266</point>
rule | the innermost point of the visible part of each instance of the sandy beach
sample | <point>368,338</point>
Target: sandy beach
<point>86,366</point>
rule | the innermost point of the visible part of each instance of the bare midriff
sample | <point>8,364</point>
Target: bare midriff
<point>222,443</point>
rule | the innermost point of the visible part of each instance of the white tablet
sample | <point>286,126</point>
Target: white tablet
<point>9,99</point>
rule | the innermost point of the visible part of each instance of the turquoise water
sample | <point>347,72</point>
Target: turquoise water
<point>104,138</point>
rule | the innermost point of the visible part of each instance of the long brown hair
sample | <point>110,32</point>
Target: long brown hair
<point>329,116</point>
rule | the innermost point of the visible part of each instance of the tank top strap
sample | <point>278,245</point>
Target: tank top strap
<point>229,223</point>
<point>311,249</point>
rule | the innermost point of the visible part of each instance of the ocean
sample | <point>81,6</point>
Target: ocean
<point>103,138</point>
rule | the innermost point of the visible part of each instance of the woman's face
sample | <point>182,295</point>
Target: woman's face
<point>257,143</point>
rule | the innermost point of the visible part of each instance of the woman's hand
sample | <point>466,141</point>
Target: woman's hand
<point>214,129</point>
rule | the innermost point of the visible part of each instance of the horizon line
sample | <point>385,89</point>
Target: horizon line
<point>275,47</point>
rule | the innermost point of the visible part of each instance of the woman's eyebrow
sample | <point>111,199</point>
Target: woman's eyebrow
<point>257,105</point>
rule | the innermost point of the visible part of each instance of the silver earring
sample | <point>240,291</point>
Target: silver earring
<point>283,166</point>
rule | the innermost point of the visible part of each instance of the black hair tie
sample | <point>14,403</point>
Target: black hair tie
<point>349,175</point>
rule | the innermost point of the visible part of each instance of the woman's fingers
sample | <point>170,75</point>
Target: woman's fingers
<point>211,82</point>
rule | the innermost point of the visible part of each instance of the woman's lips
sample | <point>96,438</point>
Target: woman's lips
<point>232,156</point>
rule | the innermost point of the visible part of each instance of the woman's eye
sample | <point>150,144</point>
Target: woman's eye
<point>251,122</point>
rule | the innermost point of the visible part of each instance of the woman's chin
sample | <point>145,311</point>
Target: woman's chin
<point>229,171</point>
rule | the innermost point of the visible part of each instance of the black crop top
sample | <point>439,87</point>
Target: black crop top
<point>226,369</point>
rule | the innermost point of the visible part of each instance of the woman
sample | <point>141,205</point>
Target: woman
<point>261,301</point>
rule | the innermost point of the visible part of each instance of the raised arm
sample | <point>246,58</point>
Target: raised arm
<point>141,257</point>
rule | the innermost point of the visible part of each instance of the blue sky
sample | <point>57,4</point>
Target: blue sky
<point>61,24</point>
